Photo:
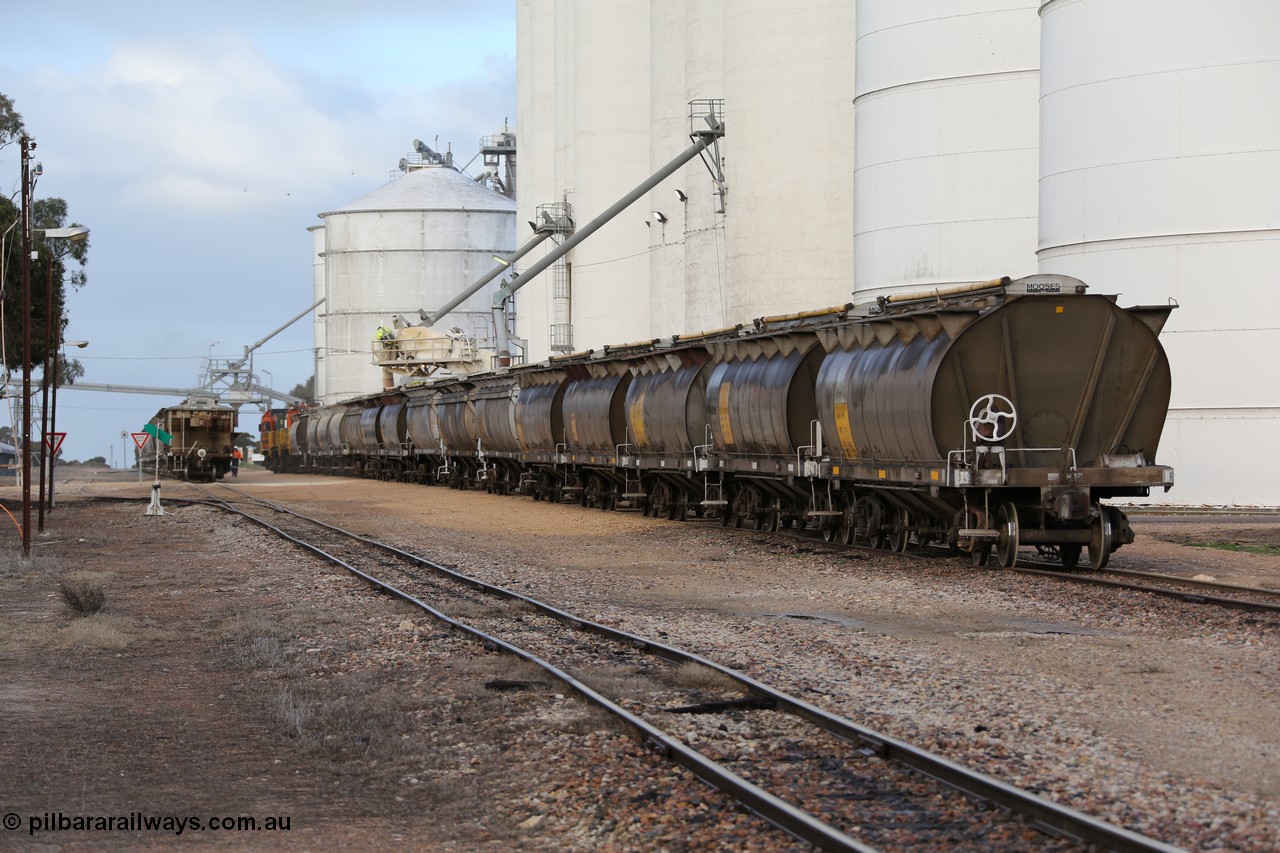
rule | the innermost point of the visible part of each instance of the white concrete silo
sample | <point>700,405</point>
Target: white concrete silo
<point>946,145</point>
<point>583,121</point>
<point>411,244</point>
<point>608,130</point>
<point>687,258</point>
<point>788,90</point>
<point>537,101</point>
<point>1160,171</point>
<point>317,316</point>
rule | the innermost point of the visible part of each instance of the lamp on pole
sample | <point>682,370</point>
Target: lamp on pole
<point>27,145</point>
<point>53,414</point>
<point>53,319</point>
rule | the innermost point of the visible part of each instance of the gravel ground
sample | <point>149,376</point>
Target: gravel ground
<point>1153,714</point>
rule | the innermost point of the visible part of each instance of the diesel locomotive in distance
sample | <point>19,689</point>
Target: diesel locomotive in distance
<point>991,417</point>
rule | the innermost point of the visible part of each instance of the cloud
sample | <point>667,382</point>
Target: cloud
<point>210,124</point>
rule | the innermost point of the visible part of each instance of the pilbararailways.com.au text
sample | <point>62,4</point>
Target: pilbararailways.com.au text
<point>139,822</point>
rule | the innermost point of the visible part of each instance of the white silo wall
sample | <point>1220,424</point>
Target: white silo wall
<point>317,316</point>
<point>667,128</point>
<point>412,244</point>
<point>705,255</point>
<point>946,146</point>
<point>688,268</point>
<point>536,103</point>
<point>1160,174</point>
<point>608,135</point>
<point>789,88</point>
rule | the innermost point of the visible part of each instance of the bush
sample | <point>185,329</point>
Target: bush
<point>84,598</point>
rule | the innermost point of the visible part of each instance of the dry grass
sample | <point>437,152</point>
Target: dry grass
<point>619,685</point>
<point>13,564</point>
<point>103,631</point>
<point>695,676</point>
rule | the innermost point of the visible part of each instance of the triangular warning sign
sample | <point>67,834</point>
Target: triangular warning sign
<point>53,441</point>
<point>140,438</point>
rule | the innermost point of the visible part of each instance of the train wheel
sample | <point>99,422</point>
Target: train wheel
<point>1007,544</point>
<point>900,531</point>
<point>848,525</point>
<point>868,514</point>
<point>1070,556</point>
<point>1100,547</point>
<point>981,553</point>
<point>746,505</point>
<point>680,507</point>
<point>660,500</point>
<point>774,516</point>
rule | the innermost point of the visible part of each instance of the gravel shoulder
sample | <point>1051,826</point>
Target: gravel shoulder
<point>251,679</point>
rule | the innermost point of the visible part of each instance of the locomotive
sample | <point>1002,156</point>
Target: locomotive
<point>989,417</point>
<point>203,435</point>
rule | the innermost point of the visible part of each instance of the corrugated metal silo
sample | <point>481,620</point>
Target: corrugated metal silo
<point>946,146</point>
<point>1160,170</point>
<point>413,243</point>
<point>788,90</point>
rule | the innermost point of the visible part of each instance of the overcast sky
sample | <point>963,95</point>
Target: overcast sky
<point>199,141</point>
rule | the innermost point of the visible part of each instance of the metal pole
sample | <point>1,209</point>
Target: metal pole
<point>26,146</point>
<point>53,412</point>
<point>44,391</point>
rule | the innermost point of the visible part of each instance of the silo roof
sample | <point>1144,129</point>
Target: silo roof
<point>430,188</point>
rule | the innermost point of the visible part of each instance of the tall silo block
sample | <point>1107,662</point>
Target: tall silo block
<point>412,244</point>
<point>687,260</point>
<point>788,90</point>
<point>1159,179</point>
<point>946,144</point>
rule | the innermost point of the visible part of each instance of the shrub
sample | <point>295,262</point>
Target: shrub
<point>84,598</point>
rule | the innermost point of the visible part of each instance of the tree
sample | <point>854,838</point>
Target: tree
<point>306,390</point>
<point>51,258</point>
<point>11,126</point>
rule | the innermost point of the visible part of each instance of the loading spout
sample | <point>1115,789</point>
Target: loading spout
<point>430,318</point>
<point>703,139</point>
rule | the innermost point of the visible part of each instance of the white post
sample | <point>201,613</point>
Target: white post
<point>154,507</point>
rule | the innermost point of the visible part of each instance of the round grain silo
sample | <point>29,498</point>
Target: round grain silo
<point>788,90</point>
<point>1159,179</point>
<point>411,244</point>
<point>946,147</point>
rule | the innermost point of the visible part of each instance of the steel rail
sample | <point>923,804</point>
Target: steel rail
<point>1032,567</point>
<point>771,808</point>
<point>1053,817</point>
<point>1200,584</point>
<point>1180,595</point>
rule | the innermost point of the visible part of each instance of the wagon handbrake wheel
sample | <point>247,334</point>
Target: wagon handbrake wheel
<point>985,415</point>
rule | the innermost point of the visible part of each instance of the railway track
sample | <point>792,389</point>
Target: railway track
<point>823,779</point>
<point>1191,590</point>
